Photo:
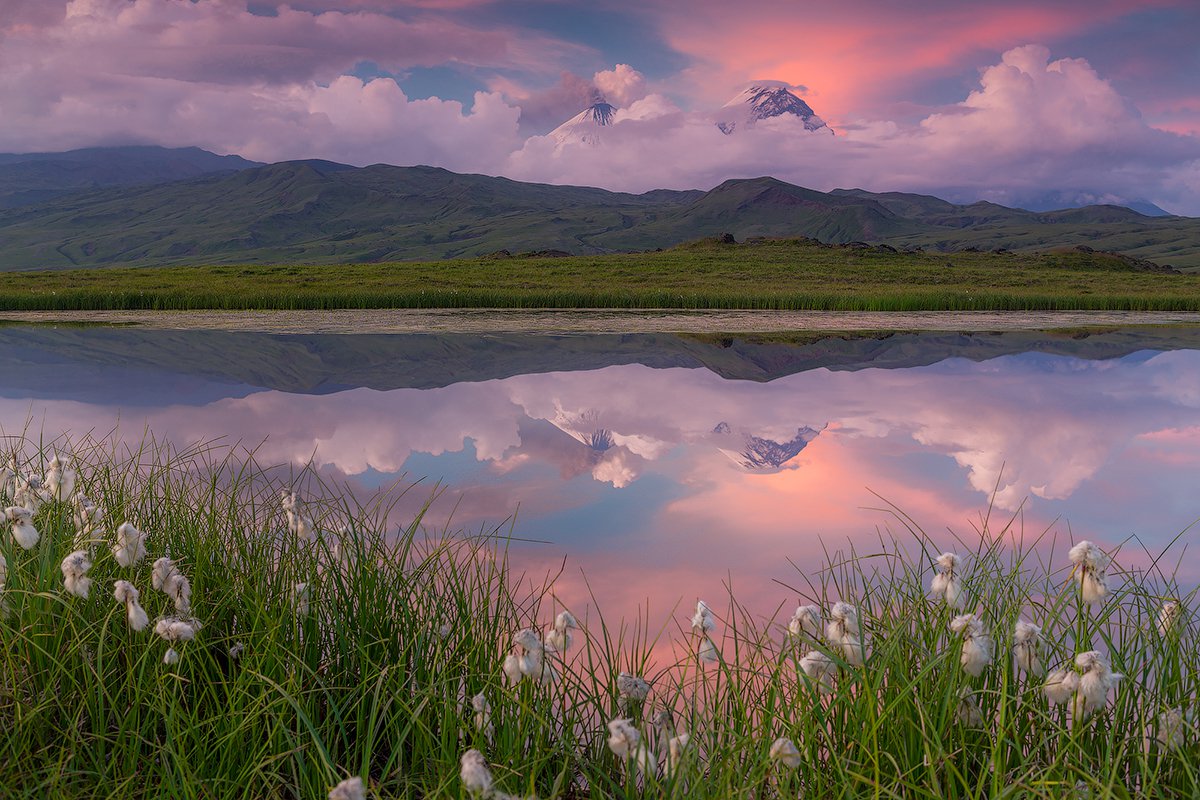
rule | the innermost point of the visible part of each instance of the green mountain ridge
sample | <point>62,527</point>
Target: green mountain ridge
<point>326,213</point>
<point>32,178</point>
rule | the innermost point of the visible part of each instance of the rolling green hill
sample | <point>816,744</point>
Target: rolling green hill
<point>32,178</point>
<point>319,212</point>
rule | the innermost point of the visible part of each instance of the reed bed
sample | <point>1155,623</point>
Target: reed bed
<point>769,275</point>
<point>333,655</point>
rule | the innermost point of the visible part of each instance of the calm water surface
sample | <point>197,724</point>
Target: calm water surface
<point>663,467</point>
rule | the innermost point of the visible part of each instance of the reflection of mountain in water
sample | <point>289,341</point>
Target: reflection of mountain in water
<point>759,454</point>
<point>32,359</point>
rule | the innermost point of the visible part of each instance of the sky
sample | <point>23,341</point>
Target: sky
<point>1025,102</point>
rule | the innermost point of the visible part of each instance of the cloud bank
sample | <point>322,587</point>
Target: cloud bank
<point>211,73</point>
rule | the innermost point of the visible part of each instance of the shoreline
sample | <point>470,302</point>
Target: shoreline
<point>568,321</point>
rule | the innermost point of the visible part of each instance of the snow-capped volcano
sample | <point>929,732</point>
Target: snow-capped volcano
<point>585,126</point>
<point>758,454</point>
<point>764,100</point>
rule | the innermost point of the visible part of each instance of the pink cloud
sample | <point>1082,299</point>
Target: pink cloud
<point>860,56</point>
<point>1032,124</point>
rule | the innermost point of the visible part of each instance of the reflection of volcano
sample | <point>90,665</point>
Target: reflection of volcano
<point>607,460</point>
<point>758,454</point>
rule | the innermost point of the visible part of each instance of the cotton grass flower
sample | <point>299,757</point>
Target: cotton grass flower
<point>703,623</point>
<point>298,522</point>
<point>302,599</point>
<point>805,622</point>
<point>559,638</point>
<point>531,656</point>
<point>978,648</point>
<point>483,714</point>
<point>476,777</point>
<point>349,789</point>
<point>1167,731</point>
<point>946,584</point>
<point>1027,643</point>
<point>1060,685</point>
<point>129,546</point>
<point>175,630</point>
<point>1091,565</point>
<point>124,592</point>
<point>21,524</point>
<point>167,579</point>
<point>677,748</point>
<point>171,656</point>
<point>512,669</point>
<point>968,713</point>
<point>60,480</point>
<point>29,494</point>
<point>88,518</point>
<point>818,668</point>
<point>784,751</point>
<point>842,632</point>
<point>1094,684</point>
<point>632,687</point>
<point>626,743</point>
<point>74,571</point>
<point>1168,616</point>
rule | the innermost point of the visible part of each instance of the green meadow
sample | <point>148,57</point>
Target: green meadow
<point>765,274</point>
<point>320,643</point>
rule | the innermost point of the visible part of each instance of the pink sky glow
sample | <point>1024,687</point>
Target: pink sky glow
<point>1003,101</point>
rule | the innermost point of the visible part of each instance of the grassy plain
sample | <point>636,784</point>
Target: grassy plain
<point>770,274</point>
<point>373,674</point>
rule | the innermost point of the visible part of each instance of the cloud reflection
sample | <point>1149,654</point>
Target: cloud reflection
<point>642,475</point>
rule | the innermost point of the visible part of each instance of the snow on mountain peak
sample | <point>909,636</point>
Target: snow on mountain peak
<point>585,126</point>
<point>763,100</point>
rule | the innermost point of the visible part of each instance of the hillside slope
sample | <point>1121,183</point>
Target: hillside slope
<point>321,212</point>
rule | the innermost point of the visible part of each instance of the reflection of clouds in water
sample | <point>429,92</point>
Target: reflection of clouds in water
<point>1026,425</point>
<point>747,485</point>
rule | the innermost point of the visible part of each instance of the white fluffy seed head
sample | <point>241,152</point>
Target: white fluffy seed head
<point>512,669</point>
<point>564,621</point>
<point>74,570</point>
<point>632,687</point>
<point>702,620</point>
<point>1088,554</point>
<point>805,621</point>
<point>129,546</point>
<point>171,656</point>
<point>173,629</point>
<point>1091,564</point>
<point>677,748</point>
<point>528,640</point>
<point>949,562</point>
<point>125,592</point>
<point>784,751</point>
<point>23,531</point>
<point>302,599</point>
<point>1168,615</point>
<point>623,738</point>
<point>968,713</point>
<point>708,651</point>
<point>349,789</point>
<point>1169,730</point>
<point>967,624</point>
<point>476,777</point>
<point>1060,685</point>
<point>1027,642</point>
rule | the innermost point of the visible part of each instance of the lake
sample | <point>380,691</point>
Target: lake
<point>653,468</point>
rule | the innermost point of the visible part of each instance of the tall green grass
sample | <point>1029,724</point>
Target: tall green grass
<point>765,275</point>
<point>408,624</point>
